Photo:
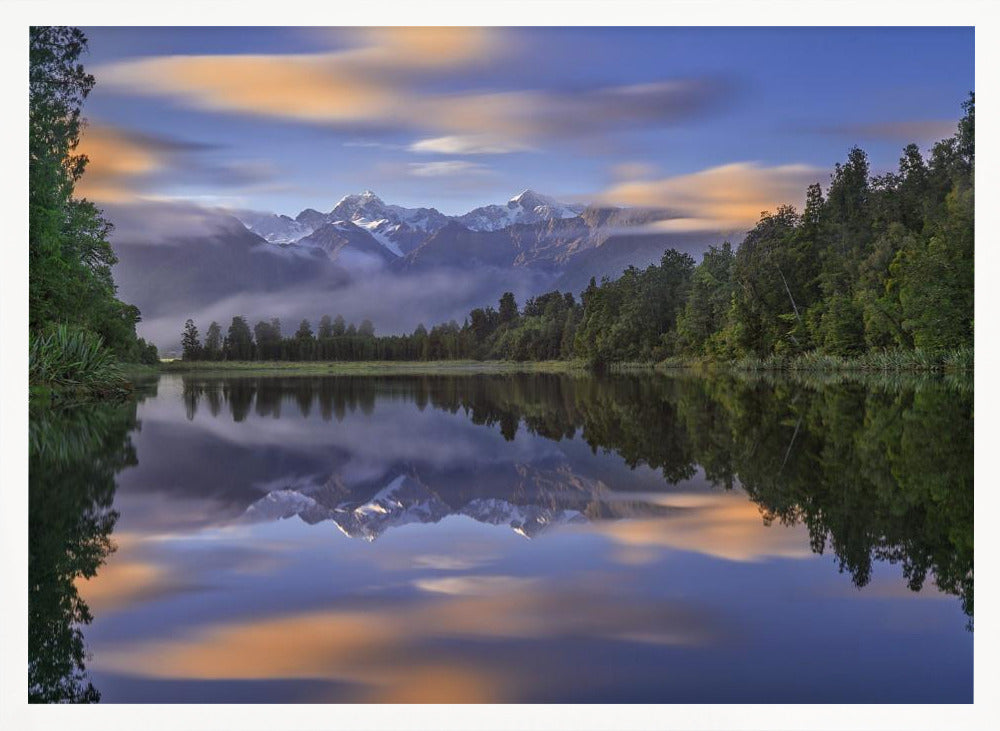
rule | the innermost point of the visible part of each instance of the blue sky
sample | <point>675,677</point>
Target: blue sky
<point>721,120</point>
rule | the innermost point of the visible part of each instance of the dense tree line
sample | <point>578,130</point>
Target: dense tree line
<point>874,263</point>
<point>543,331</point>
<point>70,259</point>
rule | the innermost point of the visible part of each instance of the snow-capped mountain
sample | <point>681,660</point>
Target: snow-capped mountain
<point>401,230</point>
<point>397,228</point>
<point>274,228</point>
<point>525,208</point>
<point>340,239</point>
<point>565,244</point>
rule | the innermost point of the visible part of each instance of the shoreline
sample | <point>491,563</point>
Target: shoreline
<point>957,362</point>
<point>432,367</point>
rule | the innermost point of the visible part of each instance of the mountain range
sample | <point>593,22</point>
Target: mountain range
<point>399,229</point>
<point>365,258</point>
<point>529,230</point>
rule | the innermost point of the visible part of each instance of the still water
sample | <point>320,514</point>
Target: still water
<point>505,538</point>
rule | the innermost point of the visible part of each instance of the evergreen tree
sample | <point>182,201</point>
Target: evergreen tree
<point>339,326</point>
<point>213,342</point>
<point>239,340</point>
<point>325,328</point>
<point>190,344</point>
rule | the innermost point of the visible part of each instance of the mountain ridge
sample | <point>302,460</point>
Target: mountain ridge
<point>529,230</point>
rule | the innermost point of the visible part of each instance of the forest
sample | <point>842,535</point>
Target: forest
<point>876,269</point>
<point>79,330</point>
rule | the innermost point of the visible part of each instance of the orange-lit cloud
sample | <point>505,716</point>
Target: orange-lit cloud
<point>125,166</point>
<point>378,83</point>
<point>724,198</point>
<point>116,160</point>
<point>367,83</point>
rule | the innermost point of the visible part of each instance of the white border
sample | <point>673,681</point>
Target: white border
<point>16,15</point>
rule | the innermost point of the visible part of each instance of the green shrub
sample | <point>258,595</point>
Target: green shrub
<point>70,357</point>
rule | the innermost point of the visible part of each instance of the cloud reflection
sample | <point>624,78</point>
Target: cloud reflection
<point>394,652</point>
<point>722,525</point>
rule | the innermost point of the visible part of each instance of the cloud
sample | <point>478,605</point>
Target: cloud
<point>445,168</point>
<point>360,83</point>
<point>155,222</point>
<point>127,165</point>
<point>532,115</point>
<point>466,145</point>
<point>394,302</point>
<point>382,83</point>
<point>375,144</point>
<point>116,159</point>
<point>724,198</point>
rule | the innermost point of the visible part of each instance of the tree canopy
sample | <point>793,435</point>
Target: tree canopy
<point>69,255</point>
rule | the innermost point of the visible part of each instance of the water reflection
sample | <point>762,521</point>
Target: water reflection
<point>649,574</point>
<point>74,455</point>
<point>862,464</point>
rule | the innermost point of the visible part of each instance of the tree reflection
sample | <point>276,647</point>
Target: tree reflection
<point>877,468</point>
<point>74,454</point>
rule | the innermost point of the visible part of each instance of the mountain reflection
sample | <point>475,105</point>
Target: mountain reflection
<point>877,469</point>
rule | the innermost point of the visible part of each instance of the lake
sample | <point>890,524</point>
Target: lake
<point>506,538</point>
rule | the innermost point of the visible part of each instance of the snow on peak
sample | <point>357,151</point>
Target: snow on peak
<point>529,198</point>
<point>367,196</point>
<point>526,207</point>
<point>392,225</point>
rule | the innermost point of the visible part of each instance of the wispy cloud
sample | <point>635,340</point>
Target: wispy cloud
<point>127,165</point>
<point>467,145</point>
<point>724,198</point>
<point>380,83</point>
<point>357,84</point>
<point>374,144</point>
<point>446,168</point>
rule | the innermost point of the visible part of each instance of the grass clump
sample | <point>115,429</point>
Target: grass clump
<point>71,359</point>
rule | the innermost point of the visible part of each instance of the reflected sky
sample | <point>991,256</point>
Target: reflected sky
<point>321,540</point>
